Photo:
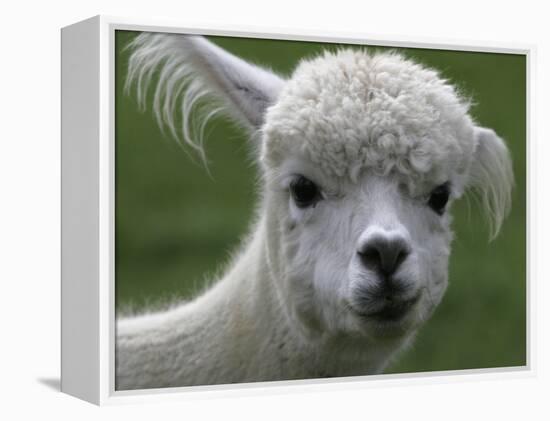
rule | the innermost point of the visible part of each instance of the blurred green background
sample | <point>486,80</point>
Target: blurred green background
<point>176,224</point>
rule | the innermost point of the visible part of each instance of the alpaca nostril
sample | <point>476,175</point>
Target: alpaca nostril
<point>370,257</point>
<point>401,256</point>
<point>384,255</point>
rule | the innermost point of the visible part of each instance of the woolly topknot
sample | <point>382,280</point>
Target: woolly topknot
<point>351,110</point>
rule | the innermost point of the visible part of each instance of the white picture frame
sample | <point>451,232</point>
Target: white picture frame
<point>88,316</point>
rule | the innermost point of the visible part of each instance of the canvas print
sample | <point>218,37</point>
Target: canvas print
<point>293,210</point>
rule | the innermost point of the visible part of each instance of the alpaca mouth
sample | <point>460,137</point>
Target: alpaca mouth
<point>391,310</point>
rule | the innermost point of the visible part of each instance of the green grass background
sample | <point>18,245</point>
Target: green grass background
<point>176,225</point>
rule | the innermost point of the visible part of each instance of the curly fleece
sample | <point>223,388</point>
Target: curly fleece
<point>351,110</point>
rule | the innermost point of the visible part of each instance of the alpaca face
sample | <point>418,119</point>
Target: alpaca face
<point>366,153</point>
<point>364,257</point>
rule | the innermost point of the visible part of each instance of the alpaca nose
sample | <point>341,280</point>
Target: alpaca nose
<point>383,254</point>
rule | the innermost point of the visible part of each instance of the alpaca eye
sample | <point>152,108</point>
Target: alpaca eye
<point>304,192</point>
<point>439,198</point>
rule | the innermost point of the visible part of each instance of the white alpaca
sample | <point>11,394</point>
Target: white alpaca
<point>360,156</point>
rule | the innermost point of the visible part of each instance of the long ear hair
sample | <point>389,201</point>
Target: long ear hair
<point>492,177</point>
<point>194,73</point>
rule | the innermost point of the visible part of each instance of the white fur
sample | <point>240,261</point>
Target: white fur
<point>377,133</point>
<point>189,76</point>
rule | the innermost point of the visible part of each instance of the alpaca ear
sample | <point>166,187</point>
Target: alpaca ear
<point>491,176</point>
<point>191,69</point>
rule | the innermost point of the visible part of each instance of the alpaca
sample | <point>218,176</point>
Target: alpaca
<point>361,155</point>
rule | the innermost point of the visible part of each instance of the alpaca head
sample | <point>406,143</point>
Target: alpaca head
<point>362,157</point>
